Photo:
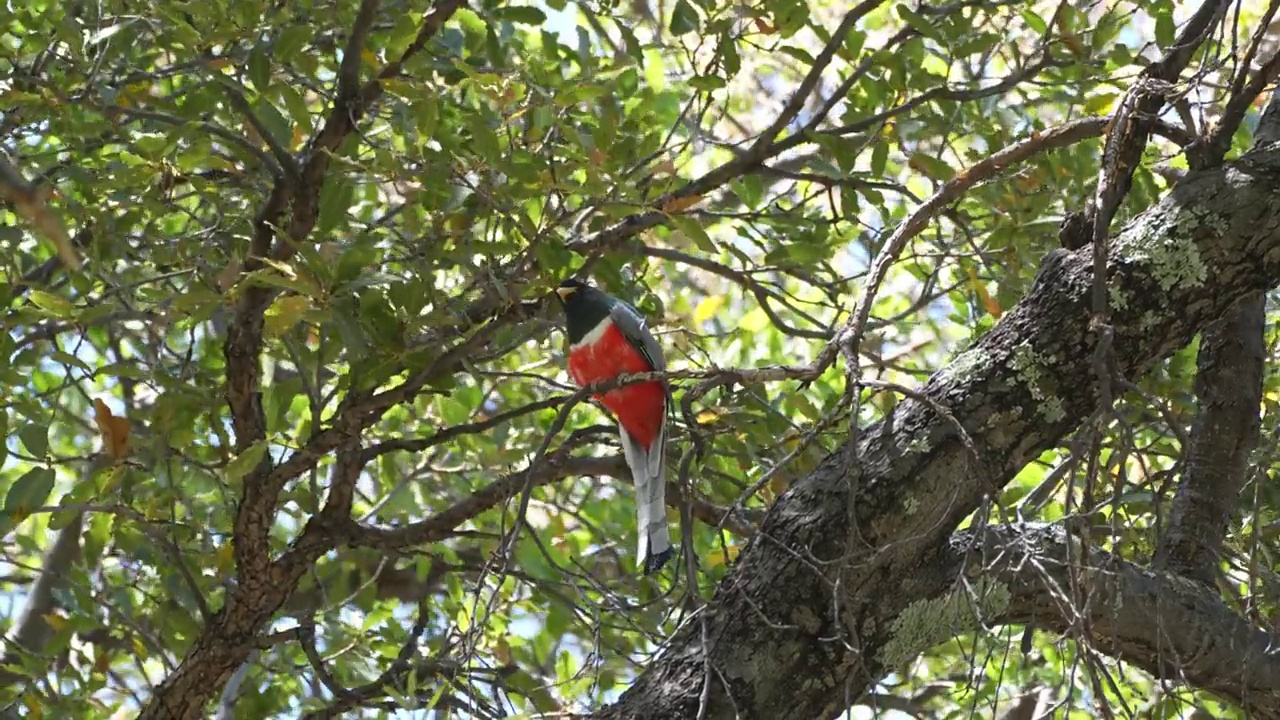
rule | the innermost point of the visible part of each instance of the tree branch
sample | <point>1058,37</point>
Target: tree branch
<point>814,596</point>
<point>263,586</point>
<point>1174,629</point>
<point>32,630</point>
<point>555,466</point>
<point>1229,390</point>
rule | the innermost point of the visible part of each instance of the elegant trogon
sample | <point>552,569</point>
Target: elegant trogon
<point>608,338</point>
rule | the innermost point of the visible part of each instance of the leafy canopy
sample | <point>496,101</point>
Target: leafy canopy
<point>390,223</point>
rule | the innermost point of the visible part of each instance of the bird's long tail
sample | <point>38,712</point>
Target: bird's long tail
<point>648,471</point>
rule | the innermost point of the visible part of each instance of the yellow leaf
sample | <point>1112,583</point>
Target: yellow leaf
<point>114,430</point>
<point>502,651</point>
<point>754,321</point>
<point>707,309</point>
<point>779,485</point>
<point>284,313</point>
<point>708,416</point>
<point>225,558</point>
<point>283,268</point>
<point>718,558</point>
<point>459,222</point>
<point>988,303</point>
<point>680,204</point>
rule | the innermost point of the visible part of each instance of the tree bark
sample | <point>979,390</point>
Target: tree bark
<point>1172,627</point>
<point>1229,390</point>
<point>805,622</point>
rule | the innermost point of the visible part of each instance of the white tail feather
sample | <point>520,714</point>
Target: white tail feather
<point>648,473</point>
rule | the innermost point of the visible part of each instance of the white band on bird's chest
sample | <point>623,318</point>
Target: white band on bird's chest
<point>596,334</point>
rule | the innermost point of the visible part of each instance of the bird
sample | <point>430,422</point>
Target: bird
<point>608,338</point>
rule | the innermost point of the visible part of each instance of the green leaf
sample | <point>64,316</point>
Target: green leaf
<point>28,493</point>
<point>122,370</point>
<point>1166,30</point>
<point>53,304</point>
<point>336,197</point>
<point>932,166</point>
<point>245,462</point>
<point>67,358</point>
<point>706,83</point>
<point>798,53</point>
<point>259,66</point>
<point>879,157</point>
<point>273,121</point>
<point>684,18</point>
<point>977,45</point>
<point>402,34</point>
<point>852,46</point>
<point>427,114</point>
<point>295,105</point>
<point>917,22</point>
<point>1034,21</point>
<point>522,14</point>
<point>291,40</point>
<point>35,438</point>
<point>693,230</point>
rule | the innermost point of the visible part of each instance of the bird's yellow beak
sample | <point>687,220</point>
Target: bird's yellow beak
<point>565,292</point>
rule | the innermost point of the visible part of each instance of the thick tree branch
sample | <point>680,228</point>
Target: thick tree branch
<point>1135,118</point>
<point>243,346</point>
<point>1176,630</point>
<point>263,585</point>
<point>1229,390</point>
<point>837,558</point>
<point>231,636</point>
<point>32,630</point>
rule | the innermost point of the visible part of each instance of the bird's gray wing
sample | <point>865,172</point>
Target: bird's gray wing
<point>634,328</point>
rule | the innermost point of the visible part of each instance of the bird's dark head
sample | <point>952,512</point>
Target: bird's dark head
<point>569,289</point>
<point>584,307</point>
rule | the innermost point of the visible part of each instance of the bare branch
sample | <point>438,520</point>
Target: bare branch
<point>764,140</point>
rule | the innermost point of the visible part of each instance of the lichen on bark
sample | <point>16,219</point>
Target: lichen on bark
<point>926,623</point>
